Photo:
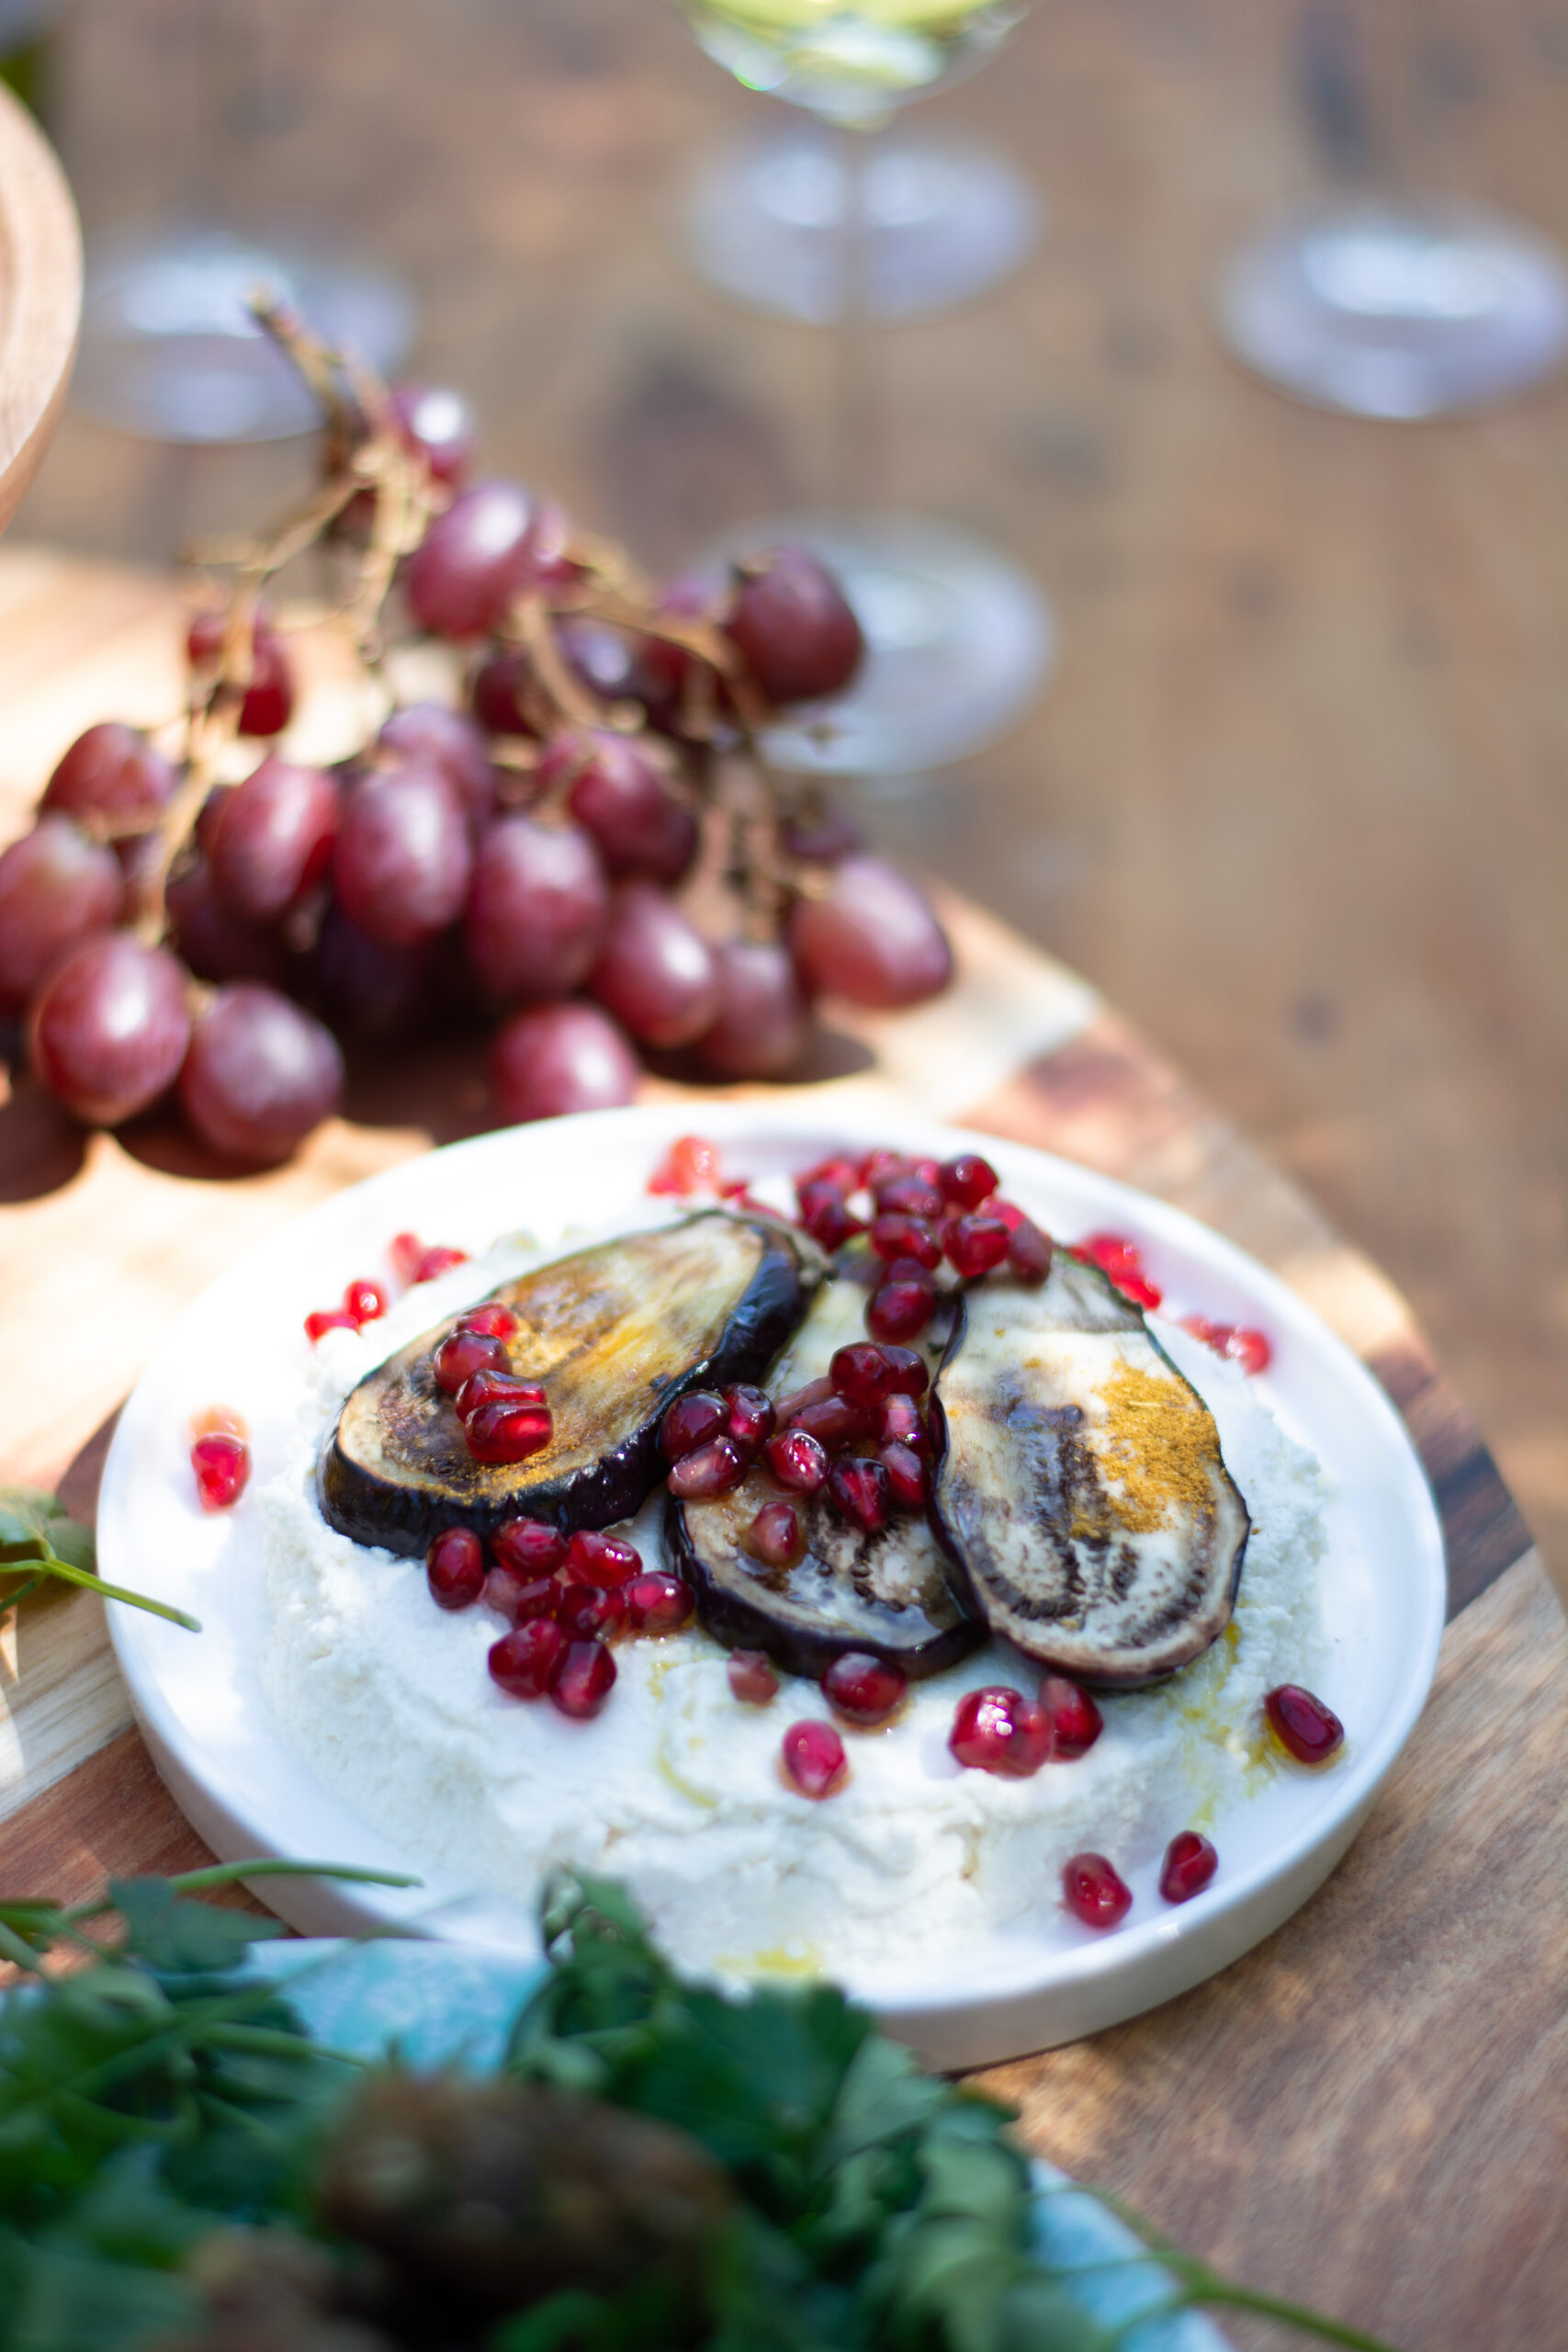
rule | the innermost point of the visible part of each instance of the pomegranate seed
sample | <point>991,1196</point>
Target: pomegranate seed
<point>499,1322</point>
<point>814,1759</point>
<point>365,1300</point>
<point>1028,1253</point>
<point>862,1373</point>
<point>1012,1215</point>
<point>862,1490</point>
<point>967,1180</point>
<point>582,1678</point>
<point>594,1557</point>
<point>508,1432</point>
<point>217,1420</point>
<point>328,1319</point>
<point>1076,1722</point>
<point>775,1536</point>
<point>462,1353</point>
<point>712,1470</point>
<point>751,1678</point>
<point>528,1546</point>
<point>910,1375</point>
<point>827,1218</point>
<point>438,1261</point>
<point>1189,1864</point>
<point>690,1165</point>
<point>842,1174</point>
<point>222,1467</point>
<point>900,1310</point>
<point>488,1386</point>
<point>796,1460</point>
<point>834,1423</point>
<point>908,1196</point>
<point>997,1730</point>
<point>814,1392</point>
<point>455,1565</point>
<point>907,1237</point>
<point>659,1604</point>
<point>908,1481</point>
<point>591,1612</point>
<point>864,1689</point>
<point>1122,1262</point>
<point>521,1598</point>
<point>1095,1895</point>
<point>977,1244</point>
<point>405,1251</point>
<point>750,1419</point>
<point>1249,1348</point>
<point>692,1420</point>
<point>524,1660</point>
<point>898,1421</point>
<point>1303,1726</point>
<point>880,1166</point>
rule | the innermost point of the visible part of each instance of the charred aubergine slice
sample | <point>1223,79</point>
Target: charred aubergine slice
<point>614,1333</point>
<point>1081,1490</point>
<point>890,1593</point>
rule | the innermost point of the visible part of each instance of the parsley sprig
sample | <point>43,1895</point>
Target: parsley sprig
<point>38,1541</point>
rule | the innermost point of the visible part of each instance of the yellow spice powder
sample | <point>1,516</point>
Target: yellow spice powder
<point>1157,1446</point>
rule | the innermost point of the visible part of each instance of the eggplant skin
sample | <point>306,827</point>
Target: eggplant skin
<point>891,1593</point>
<point>1081,1491</point>
<point>615,1334</point>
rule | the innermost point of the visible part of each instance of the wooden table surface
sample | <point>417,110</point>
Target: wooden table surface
<point>1370,2112</point>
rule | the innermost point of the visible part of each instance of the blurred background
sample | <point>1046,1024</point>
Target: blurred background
<point>1293,796</point>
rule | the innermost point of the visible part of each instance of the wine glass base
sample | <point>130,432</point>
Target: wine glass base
<point>1389,309</point>
<point>937,223</point>
<point>959,640</point>
<point>169,349</point>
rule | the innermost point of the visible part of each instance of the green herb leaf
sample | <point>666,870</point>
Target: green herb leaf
<point>38,1536</point>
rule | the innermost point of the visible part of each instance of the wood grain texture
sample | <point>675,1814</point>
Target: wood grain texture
<point>40,298</point>
<point>1370,2110</point>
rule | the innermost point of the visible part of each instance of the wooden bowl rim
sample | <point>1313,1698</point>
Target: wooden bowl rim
<point>40,297</point>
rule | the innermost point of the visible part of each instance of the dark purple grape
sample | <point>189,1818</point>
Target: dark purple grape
<point>440,423</point>
<point>871,937</point>
<point>56,887</point>
<point>403,859</point>
<point>822,837</point>
<point>432,735</point>
<point>538,910</point>
<point>111,771</point>
<point>259,1074</point>
<point>109,1028</point>
<point>268,704</point>
<point>619,794</point>
<point>497,693</point>
<point>370,989</point>
<point>217,945</point>
<point>791,624</point>
<point>656,974</point>
<point>556,1059</point>
<point>602,658</point>
<point>272,839</point>
<point>474,559</point>
<point>763,1017</point>
<point>662,662</point>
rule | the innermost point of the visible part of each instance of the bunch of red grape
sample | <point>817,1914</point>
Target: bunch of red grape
<point>586,852</point>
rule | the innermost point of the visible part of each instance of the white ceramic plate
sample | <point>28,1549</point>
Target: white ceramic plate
<point>247,1793</point>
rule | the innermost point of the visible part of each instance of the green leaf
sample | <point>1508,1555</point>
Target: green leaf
<point>176,1937</point>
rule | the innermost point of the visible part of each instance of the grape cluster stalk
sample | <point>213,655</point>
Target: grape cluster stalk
<point>582,850</point>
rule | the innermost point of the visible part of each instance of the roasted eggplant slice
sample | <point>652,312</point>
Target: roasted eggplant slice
<point>614,1333</point>
<point>1081,1490</point>
<point>890,1593</point>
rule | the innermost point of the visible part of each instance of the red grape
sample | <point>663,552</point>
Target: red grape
<point>538,910</point>
<point>440,424</point>
<point>656,973</point>
<point>474,559</point>
<point>432,735</point>
<point>871,937</point>
<point>109,1030</point>
<point>403,859</point>
<point>370,989</point>
<point>561,1058</point>
<point>111,771</point>
<point>821,837</point>
<point>763,1017</point>
<point>497,691</point>
<point>259,1075</point>
<point>272,839</point>
<point>790,623</point>
<point>56,887</point>
<point>605,660</point>
<point>664,664</point>
<point>268,704</point>
<point>619,794</point>
<point>217,945</point>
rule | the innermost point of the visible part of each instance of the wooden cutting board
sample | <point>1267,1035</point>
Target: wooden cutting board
<point>1370,2112</point>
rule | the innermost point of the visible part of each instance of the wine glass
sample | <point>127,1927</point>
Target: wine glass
<point>847,226</point>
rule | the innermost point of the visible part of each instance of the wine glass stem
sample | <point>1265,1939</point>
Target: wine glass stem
<point>860,419</point>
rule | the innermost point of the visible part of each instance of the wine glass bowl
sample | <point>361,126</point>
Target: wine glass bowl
<point>855,65</point>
